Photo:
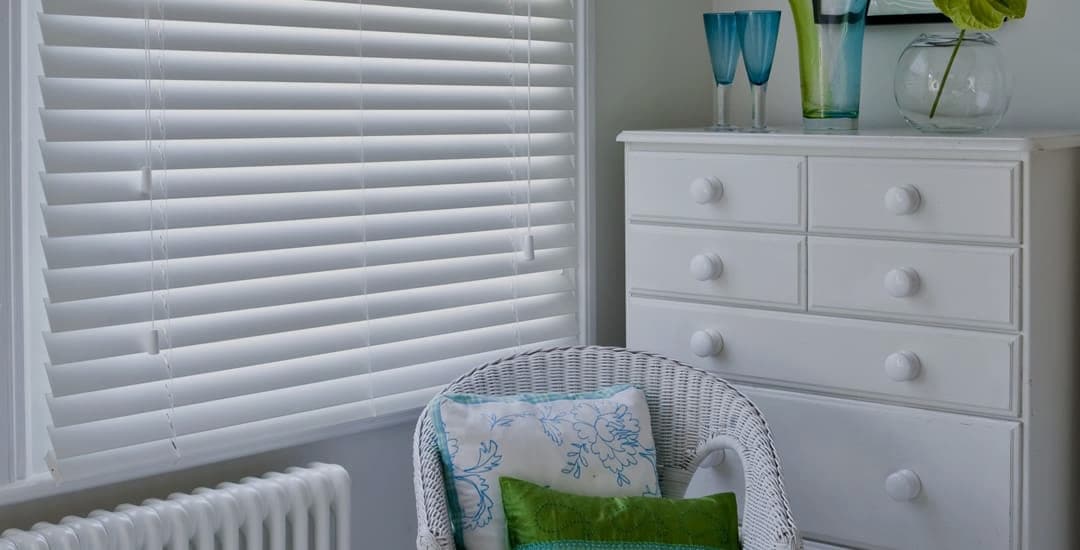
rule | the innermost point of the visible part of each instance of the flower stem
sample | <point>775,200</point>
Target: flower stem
<point>948,69</point>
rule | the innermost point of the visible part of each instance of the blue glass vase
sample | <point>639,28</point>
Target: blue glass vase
<point>722,36</point>
<point>758,31</point>
<point>830,35</point>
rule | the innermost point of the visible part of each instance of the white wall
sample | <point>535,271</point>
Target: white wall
<point>1042,50</point>
<point>652,71</point>
<point>379,462</point>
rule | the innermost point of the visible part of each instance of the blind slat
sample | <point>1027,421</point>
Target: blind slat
<point>83,187</point>
<point>101,374</point>
<point>116,125</point>
<point>99,218</point>
<point>152,396</point>
<point>66,285</point>
<point>469,17</point>
<point>85,156</point>
<point>118,93</point>
<point>141,428</point>
<point>102,32</point>
<point>267,434</point>
<point>113,248</point>
<point>83,345</point>
<point>250,292</point>
<point>73,61</point>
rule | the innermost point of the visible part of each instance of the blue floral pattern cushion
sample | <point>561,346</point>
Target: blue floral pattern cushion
<point>591,444</point>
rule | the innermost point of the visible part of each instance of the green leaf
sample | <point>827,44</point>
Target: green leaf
<point>981,15</point>
<point>1013,9</point>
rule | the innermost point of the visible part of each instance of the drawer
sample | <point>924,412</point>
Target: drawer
<point>943,368</point>
<point>719,190</point>
<point>838,455</point>
<point>948,284</point>
<point>721,266</point>
<point>946,200</point>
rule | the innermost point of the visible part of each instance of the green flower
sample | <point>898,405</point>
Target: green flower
<point>981,15</point>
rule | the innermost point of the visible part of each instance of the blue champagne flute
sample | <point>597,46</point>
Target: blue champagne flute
<point>722,34</point>
<point>758,31</point>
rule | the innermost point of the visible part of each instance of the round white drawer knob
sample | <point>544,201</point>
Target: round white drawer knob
<point>903,485</point>
<point>902,282</point>
<point>706,343</point>
<point>706,190</point>
<point>706,267</point>
<point>903,366</point>
<point>902,200</point>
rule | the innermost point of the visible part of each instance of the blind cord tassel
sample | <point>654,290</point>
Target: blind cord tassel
<point>147,184</point>
<point>153,342</point>
<point>528,247</point>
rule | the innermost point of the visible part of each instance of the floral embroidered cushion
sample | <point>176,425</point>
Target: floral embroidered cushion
<point>538,518</point>
<point>597,443</point>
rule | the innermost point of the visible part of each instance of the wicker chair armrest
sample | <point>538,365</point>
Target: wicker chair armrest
<point>767,521</point>
<point>433,530</point>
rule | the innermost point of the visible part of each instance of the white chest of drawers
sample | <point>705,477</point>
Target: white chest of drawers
<point>903,308</point>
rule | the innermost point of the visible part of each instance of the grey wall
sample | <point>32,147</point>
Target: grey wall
<point>652,71</point>
<point>1042,50</point>
<point>379,462</point>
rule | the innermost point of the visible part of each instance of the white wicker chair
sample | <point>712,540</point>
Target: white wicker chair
<point>693,413</point>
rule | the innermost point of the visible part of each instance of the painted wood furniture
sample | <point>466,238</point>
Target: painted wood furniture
<point>902,308</point>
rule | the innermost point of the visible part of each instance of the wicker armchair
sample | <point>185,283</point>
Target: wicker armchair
<point>693,413</point>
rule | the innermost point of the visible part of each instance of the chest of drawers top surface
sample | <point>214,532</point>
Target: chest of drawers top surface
<point>1001,141</point>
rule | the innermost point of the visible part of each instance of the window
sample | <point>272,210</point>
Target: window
<point>253,222</point>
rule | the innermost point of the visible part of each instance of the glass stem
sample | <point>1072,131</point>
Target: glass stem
<point>723,102</point>
<point>759,105</point>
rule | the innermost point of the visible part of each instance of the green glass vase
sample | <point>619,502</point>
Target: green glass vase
<point>830,35</point>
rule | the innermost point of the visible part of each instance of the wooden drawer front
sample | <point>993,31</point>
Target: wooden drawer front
<point>958,369</point>
<point>961,285</point>
<point>948,200</point>
<point>752,268</point>
<point>749,191</point>
<point>837,456</point>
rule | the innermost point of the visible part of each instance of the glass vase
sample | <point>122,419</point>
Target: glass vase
<point>830,35</point>
<point>975,95</point>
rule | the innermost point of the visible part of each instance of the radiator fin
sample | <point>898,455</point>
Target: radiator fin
<point>300,509</point>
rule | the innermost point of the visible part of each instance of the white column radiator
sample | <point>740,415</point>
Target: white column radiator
<point>300,509</point>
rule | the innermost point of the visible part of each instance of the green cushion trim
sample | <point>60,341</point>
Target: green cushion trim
<point>590,545</point>
<point>470,399</point>
<point>538,516</point>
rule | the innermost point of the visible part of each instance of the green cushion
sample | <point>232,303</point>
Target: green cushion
<point>538,518</point>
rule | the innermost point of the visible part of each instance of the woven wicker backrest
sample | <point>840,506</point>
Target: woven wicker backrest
<point>693,412</point>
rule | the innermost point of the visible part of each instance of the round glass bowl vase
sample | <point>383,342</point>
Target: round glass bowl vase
<point>977,89</point>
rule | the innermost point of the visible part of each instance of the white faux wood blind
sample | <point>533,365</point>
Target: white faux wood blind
<point>333,220</point>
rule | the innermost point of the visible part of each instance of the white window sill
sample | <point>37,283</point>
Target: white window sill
<point>43,485</point>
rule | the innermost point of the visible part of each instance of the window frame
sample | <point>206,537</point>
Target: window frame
<point>12,432</point>
<point>17,483</point>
